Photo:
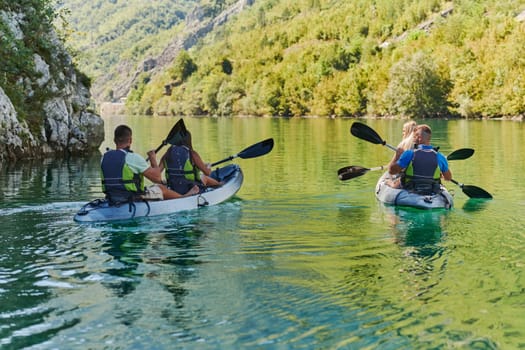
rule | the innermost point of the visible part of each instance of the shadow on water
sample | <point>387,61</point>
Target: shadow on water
<point>421,236</point>
<point>422,229</point>
<point>350,215</point>
<point>130,246</point>
<point>474,204</point>
<point>153,258</point>
<point>397,260</point>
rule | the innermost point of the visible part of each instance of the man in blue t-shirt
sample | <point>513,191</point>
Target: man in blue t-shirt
<point>421,168</point>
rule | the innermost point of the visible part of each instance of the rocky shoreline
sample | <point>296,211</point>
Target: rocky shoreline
<point>57,115</point>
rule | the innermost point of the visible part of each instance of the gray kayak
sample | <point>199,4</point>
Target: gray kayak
<point>102,210</point>
<point>400,197</point>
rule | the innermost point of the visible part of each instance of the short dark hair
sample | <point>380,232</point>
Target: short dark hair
<point>424,128</point>
<point>122,134</point>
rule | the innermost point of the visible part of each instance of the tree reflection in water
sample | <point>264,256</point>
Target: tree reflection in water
<point>421,235</point>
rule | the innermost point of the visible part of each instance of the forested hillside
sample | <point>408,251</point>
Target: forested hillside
<point>113,39</point>
<point>425,58</point>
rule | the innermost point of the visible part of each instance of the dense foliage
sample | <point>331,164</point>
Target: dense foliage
<point>429,58</point>
<point>316,57</point>
<point>108,36</point>
<point>17,73</point>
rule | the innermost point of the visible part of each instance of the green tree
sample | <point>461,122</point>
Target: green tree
<point>351,58</point>
<point>183,67</point>
<point>17,71</point>
<point>416,89</point>
<point>227,66</point>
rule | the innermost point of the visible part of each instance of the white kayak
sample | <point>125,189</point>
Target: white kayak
<point>101,210</point>
<point>400,197</point>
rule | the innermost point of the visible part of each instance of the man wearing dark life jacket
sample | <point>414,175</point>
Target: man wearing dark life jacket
<point>185,167</point>
<point>123,173</point>
<point>421,168</point>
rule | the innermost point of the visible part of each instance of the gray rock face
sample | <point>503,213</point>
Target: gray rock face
<point>15,137</point>
<point>63,122</point>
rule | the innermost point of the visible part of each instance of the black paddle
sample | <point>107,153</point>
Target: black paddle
<point>256,150</point>
<point>473,191</point>
<point>353,171</point>
<point>460,154</point>
<point>366,133</point>
<point>174,135</point>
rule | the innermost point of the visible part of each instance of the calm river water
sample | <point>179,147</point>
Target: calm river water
<point>298,259</point>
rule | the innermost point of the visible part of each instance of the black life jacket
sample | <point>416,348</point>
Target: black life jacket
<point>119,183</point>
<point>181,173</point>
<point>423,174</point>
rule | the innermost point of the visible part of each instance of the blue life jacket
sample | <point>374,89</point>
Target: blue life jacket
<point>181,173</point>
<point>119,183</point>
<point>423,174</point>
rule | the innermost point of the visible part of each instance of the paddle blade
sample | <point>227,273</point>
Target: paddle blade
<point>462,153</point>
<point>366,133</point>
<point>475,192</point>
<point>351,172</point>
<point>344,169</point>
<point>177,133</point>
<point>259,149</point>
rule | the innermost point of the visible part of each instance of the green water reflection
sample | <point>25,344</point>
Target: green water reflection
<point>298,259</point>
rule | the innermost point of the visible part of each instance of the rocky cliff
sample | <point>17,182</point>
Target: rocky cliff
<point>44,100</point>
<point>197,26</point>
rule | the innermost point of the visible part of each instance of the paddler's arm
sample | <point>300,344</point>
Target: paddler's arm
<point>393,167</point>
<point>153,159</point>
<point>153,173</point>
<point>443,165</point>
<point>447,175</point>
<point>199,163</point>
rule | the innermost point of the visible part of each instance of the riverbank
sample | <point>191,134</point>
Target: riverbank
<point>112,108</point>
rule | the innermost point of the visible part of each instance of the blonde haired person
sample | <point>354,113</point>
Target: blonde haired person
<point>408,135</point>
<point>406,143</point>
<point>421,168</point>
